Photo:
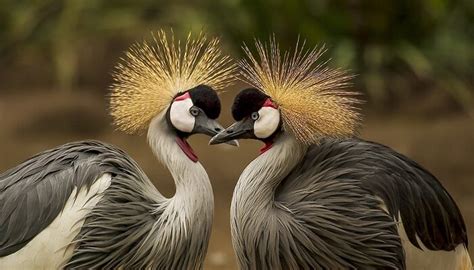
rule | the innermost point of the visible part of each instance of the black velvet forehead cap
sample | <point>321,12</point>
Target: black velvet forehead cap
<point>207,99</point>
<point>246,102</point>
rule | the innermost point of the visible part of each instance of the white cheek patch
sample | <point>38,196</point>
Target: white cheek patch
<point>180,116</point>
<point>267,123</point>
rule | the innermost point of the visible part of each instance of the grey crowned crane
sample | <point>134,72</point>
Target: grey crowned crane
<point>89,205</point>
<point>318,197</point>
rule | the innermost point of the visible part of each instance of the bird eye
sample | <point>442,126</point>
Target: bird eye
<point>255,116</point>
<point>194,111</point>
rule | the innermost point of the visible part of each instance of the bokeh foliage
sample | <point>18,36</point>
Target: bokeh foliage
<point>399,49</point>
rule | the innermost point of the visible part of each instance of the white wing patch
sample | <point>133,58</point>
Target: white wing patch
<point>180,116</point>
<point>267,123</point>
<point>415,258</point>
<point>457,259</point>
<point>52,246</point>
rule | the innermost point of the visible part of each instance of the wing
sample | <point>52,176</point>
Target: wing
<point>426,208</point>
<point>337,223</point>
<point>33,193</point>
<point>409,191</point>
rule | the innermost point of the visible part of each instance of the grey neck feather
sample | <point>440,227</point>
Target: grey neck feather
<point>254,194</point>
<point>186,218</point>
<point>263,175</point>
<point>193,188</point>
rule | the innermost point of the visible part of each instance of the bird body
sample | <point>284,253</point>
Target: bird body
<point>118,218</point>
<point>88,205</point>
<point>318,197</point>
<point>324,207</point>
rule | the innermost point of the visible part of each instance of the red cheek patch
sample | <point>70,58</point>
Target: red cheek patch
<point>183,97</point>
<point>269,103</point>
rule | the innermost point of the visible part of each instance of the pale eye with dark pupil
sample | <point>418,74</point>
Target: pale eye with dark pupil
<point>255,116</point>
<point>194,111</point>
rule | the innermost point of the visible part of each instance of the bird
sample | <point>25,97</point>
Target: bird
<point>88,204</point>
<point>320,197</point>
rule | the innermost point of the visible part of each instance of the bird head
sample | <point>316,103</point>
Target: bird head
<point>257,117</point>
<point>194,112</point>
<point>293,94</point>
<point>174,82</point>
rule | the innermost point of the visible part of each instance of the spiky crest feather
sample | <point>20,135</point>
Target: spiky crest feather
<point>151,74</point>
<point>312,97</point>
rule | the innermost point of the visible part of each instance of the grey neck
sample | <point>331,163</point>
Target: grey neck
<point>193,189</point>
<point>258,182</point>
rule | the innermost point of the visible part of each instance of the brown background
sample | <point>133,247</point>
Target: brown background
<point>413,59</point>
<point>35,122</point>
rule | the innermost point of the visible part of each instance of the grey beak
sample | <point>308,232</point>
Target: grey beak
<point>210,127</point>
<point>239,130</point>
<point>219,138</point>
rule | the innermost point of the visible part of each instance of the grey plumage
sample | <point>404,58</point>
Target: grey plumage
<point>44,183</point>
<point>123,229</point>
<point>426,208</point>
<point>117,218</point>
<point>317,198</point>
<point>403,185</point>
<point>323,207</point>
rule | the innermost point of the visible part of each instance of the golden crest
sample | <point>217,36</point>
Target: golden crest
<point>152,73</point>
<point>312,97</point>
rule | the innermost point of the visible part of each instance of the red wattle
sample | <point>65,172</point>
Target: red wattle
<point>184,145</point>
<point>266,147</point>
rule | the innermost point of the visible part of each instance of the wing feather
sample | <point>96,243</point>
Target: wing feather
<point>426,208</point>
<point>33,193</point>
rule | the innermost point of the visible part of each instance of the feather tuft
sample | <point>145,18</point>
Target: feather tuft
<point>312,97</point>
<point>152,73</point>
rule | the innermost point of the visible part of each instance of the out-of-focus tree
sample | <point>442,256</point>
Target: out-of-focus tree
<point>399,49</point>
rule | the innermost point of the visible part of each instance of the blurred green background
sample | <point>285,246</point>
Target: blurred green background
<point>414,62</point>
<point>400,49</point>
